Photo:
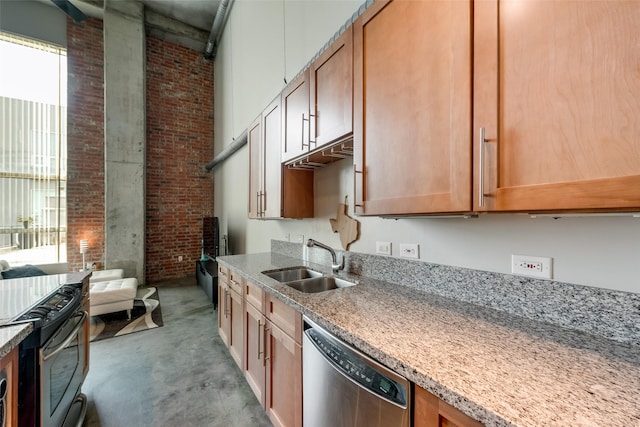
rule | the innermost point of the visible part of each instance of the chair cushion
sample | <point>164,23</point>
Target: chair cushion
<point>106,275</point>
<point>113,291</point>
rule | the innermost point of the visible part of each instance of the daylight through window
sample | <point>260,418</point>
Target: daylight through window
<point>33,151</point>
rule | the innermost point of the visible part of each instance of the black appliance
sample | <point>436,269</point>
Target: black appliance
<point>47,394</point>
<point>207,267</point>
<point>210,237</point>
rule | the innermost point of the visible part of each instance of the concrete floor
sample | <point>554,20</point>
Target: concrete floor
<point>180,374</point>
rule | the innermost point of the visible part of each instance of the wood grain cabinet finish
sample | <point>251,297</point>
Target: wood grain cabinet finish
<point>231,312</point>
<point>9,365</point>
<point>557,92</point>
<point>331,96</point>
<point>273,358</point>
<point>295,117</point>
<point>274,191</point>
<point>255,346</point>
<point>224,319</point>
<point>412,107</point>
<point>429,411</point>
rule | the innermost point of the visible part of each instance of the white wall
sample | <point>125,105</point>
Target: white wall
<point>250,67</point>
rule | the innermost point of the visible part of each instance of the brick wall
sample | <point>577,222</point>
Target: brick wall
<point>85,141</point>
<point>179,144</point>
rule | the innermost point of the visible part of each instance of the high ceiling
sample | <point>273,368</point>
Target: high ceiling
<point>186,22</point>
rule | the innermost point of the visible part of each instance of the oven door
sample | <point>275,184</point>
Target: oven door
<point>61,365</point>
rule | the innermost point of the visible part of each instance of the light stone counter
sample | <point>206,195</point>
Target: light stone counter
<point>499,368</point>
<point>12,336</point>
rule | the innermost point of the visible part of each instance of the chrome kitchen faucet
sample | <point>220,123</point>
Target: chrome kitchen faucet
<point>335,266</point>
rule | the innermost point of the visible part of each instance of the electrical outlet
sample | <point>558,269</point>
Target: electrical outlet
<point>180,258</point>
<point>383,248</point>
<point>533,266</point>
<point>409,250</point>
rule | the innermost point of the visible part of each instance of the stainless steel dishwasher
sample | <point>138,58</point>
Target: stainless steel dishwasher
<point>343,387</point>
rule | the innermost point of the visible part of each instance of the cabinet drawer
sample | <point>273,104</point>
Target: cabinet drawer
<point>254,295</point>
<point>236,282</point>
<point>286,318</point>
<point>223,274</point>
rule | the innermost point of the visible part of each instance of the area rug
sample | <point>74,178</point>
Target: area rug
<point>146,314</point>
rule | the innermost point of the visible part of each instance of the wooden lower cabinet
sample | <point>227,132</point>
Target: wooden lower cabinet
<point>236,336</point>
<point>272,358</point>
<point>231,312</point>
<point>284,379</point>
<point>254,344</point>
<point>9,371</point>
<point>224,321</point>
<point>429,411</point>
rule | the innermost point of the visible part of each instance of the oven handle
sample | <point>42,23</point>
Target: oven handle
<point>70,338</point>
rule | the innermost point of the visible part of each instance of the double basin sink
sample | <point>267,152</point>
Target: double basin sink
<point>307,280</point>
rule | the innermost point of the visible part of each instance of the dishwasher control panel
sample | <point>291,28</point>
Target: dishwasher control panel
<point>356,368</point>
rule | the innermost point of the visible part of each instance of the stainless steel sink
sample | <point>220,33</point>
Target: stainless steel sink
<point>292,273</point>
<point>319,284</point>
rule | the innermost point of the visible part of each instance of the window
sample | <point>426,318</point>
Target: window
<point>33,151</point>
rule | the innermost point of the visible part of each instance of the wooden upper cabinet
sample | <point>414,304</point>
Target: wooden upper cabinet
<point>331,97</point>
<point>295,118</point>
<point>557,92</point>
<point>256,165</point>
<point>271,132</point>
<point>275,192</point>
<point>412,108</point>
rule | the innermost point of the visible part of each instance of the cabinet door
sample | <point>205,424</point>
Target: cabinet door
<point>331,78</point>
<point>254,355</point>
<point>272,166</point>
<point>284,379</point>
<point>256,172</point>
<point>556,92</point>
<point>9,409</point>
<point>412,107</point>
<point>429,411</point>
<point>224,307</point>
<point>236,333</point>
<point>295,118</point>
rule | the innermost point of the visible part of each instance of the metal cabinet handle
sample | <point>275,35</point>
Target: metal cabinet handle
<point>302,138</point>
<point>257,203</point>
<point>264,203</point>
<point>311,141</point>
<point>355,187</point>
<point>481,194</point>
<point>260,349</point>
<point>264,341</point>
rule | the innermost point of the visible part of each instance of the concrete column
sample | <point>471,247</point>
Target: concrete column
<point>125,136</point>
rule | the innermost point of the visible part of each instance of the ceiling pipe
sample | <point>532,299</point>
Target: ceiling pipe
<point>228,151</point>
<point>216,29</point>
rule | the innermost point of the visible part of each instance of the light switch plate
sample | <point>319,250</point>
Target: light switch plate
<point>383,248</point>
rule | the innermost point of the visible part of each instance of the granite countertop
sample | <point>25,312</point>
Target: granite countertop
<point>501,369</point>
<point>12,336</point>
